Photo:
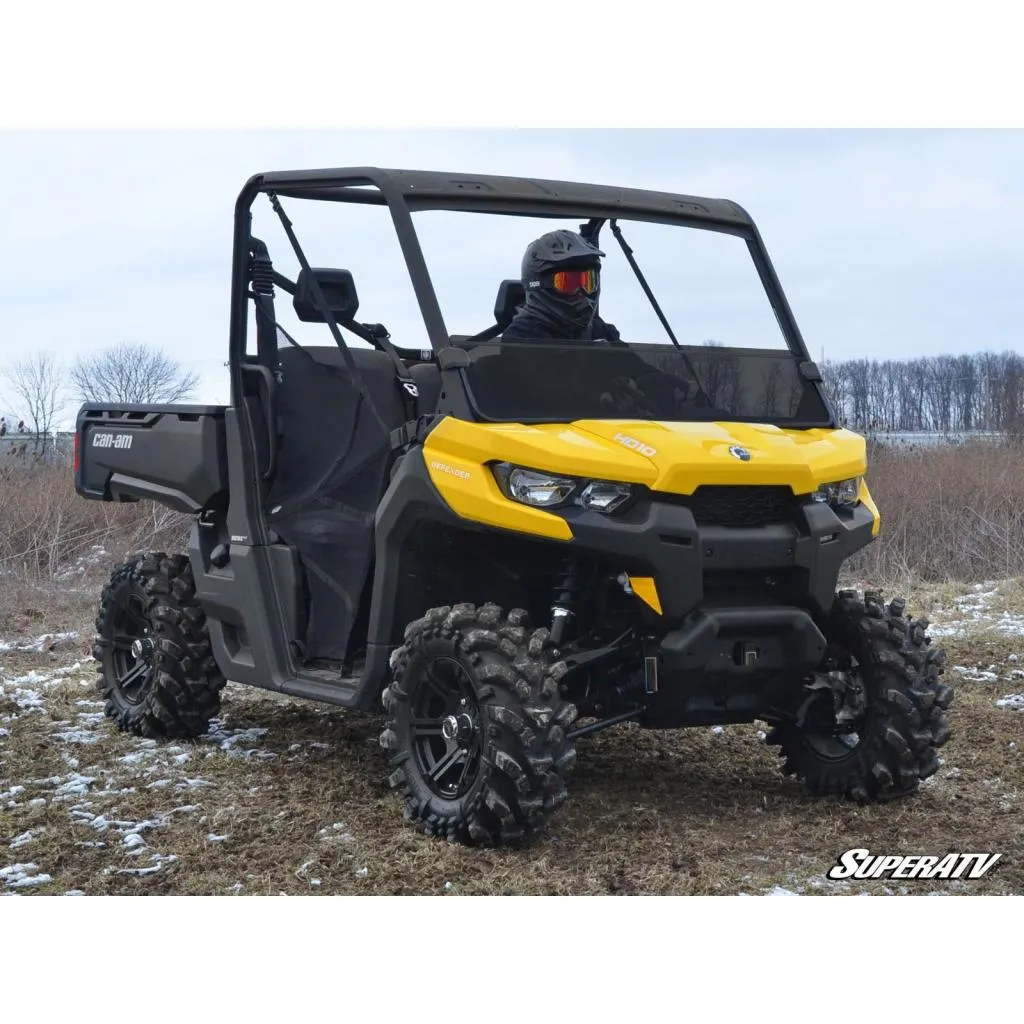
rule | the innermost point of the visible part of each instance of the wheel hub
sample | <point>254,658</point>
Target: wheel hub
<point>457,728</point>
<point>142,647</point>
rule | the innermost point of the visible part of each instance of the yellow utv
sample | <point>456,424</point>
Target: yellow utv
<point>508,543</point>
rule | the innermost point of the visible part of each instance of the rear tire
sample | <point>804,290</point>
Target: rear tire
<point>476,726</point>
<point>904,722</point>
<point>157,673</point>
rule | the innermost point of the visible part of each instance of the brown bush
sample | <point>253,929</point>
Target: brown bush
<point>49,533</point>
<point>948,512</point>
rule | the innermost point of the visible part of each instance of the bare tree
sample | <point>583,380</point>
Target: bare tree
<point>835,381</point>
<point>37,386</point>
<point>132,374</point>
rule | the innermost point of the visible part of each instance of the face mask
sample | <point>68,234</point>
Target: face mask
<point>568,314</point>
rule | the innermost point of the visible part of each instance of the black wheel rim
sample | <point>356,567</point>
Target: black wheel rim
<point>445,728</point>
<point>132,647</point>
<point>829,740</point>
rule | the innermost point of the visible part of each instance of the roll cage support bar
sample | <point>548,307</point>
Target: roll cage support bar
<point>406,191</point>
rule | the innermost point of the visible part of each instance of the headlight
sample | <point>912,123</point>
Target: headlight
<point>842,494</point>
<point>603,496</point>
<point>540,489</point>
<point>547,490</point>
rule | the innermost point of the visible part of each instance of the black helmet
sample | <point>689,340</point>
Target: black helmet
<point>559,314</point>
<point>558,248</point>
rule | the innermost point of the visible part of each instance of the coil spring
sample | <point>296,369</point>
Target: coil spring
<point>567,586</point>
<point>261,271</point>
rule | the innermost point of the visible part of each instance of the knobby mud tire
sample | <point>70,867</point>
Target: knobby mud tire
<point>181,692</point>
<point>524,753</point>
<point>905,721</point>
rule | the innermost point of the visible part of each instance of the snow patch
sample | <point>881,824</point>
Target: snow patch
<point>23,876</point>
<point>76,736</point>
<point>95,557</point>
<point>23,840</point>
<point>973,612</point>
<point>158,861</point>
<point>229,740</point>
<point>47,642</point>
<point>976,675</point>
<point>336,833</point>
<point>75,785</point>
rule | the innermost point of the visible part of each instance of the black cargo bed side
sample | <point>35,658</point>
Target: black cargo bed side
<point>171,454</point>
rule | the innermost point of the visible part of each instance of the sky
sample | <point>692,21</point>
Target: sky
<point>888,243</point>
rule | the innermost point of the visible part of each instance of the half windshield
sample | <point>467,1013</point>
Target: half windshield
<point>722,356</point>
<point>551,381</point>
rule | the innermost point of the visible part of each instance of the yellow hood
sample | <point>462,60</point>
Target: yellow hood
<point>685,455</point>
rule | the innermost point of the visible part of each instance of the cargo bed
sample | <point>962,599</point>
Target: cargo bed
<point>172,454</point>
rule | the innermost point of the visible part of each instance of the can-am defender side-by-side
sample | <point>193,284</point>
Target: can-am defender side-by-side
<point>509,544</point>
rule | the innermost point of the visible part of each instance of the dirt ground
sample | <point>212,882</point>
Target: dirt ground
<point>286,796</point>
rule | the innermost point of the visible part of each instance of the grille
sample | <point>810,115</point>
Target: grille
<point>721,505</point>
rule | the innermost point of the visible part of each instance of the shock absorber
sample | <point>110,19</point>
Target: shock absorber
<point>566,598</point>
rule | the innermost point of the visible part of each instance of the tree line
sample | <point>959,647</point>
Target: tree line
<point>36,391</point>
<point>947,394</point>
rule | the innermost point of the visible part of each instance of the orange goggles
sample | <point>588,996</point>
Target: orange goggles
<point>568,282</point>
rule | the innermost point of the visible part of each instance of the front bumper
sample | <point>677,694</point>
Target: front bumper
<point>790,563</point>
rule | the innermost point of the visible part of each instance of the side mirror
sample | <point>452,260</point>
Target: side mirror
<point>339,292</point>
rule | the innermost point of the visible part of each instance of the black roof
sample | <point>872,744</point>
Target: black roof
<point>422,190</point>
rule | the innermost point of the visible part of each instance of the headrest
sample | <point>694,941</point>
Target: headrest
<point>511,295</point>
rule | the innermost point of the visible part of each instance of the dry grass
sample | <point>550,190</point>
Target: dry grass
<point>305,809</point>
<point>47,532</point>
<point>948,513</point>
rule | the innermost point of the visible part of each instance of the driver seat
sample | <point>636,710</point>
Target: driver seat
<point>511,295</point>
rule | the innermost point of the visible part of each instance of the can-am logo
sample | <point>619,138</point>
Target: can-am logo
<point>112,440</point>
<point>864,864</point>
<point>637,446</point>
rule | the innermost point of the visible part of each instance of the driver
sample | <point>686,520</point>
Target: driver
<point>561,275</point>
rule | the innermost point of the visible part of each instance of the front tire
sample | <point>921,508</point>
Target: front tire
<point>902,723</point>
<point>157,674</point>
<point>476,726</point>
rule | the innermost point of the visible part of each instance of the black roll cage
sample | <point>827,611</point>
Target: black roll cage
<point>405,192</point>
